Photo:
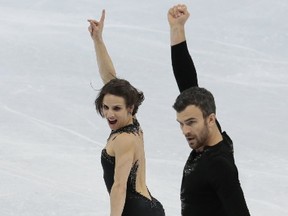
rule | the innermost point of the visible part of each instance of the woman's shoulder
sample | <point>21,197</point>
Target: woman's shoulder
<point>124,142</point>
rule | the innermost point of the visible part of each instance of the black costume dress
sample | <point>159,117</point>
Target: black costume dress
<point>210,183</point>
<point>135,203</point>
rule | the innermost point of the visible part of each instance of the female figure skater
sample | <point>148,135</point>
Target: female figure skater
<point>123,158</point>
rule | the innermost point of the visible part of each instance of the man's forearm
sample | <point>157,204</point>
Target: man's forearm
<point>177,34</point>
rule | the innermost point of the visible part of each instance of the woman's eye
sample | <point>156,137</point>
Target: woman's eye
<point>117,108</point>
<point>105,107</point>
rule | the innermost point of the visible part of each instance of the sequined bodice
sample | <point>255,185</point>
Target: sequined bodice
<point>108,162</point>
<point>131,128</point>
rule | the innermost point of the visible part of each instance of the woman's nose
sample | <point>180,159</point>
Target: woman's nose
<point>109,114</point>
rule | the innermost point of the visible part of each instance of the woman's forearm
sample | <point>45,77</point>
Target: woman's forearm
<point>117,200</point>
<point>104,61</point>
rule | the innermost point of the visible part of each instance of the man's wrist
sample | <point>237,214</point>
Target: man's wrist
<point>177,34</point>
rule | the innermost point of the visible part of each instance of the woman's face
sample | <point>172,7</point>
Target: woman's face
<point>116,112</point>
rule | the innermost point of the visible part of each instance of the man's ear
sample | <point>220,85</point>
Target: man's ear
<point>211,119</point>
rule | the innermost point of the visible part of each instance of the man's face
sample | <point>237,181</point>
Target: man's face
<point>194,127</point>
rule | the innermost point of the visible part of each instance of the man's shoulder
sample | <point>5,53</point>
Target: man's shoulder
<point>223,151</point>
<point>227,141</point>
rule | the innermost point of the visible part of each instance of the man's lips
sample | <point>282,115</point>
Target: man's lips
<point>190,139</point>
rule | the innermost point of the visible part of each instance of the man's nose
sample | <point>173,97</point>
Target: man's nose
<point>185,130</point>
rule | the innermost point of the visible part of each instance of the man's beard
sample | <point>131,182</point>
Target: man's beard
<point>202,139</point>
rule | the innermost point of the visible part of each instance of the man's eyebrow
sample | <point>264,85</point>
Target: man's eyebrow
<point>187,120</point>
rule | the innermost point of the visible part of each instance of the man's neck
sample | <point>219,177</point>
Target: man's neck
<point>215,137</point>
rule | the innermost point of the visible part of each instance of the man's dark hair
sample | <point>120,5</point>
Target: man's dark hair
<point>197,96</point>
<point>121,88</point>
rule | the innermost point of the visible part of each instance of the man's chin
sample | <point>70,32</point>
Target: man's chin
<point>193,146</point>
<point>196,147</point>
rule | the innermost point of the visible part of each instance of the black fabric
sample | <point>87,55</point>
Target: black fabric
<point>108,164</point>
<point>183,67</point>
<point>135,204</point>
<point>133,128</point>
<point>210,183</point>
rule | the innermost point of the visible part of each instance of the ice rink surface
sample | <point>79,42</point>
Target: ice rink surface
<point>51,137</point>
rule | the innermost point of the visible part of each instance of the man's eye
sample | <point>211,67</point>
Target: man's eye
<point>190,123</point>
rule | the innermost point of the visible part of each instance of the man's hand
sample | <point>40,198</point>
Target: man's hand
<point>178,15</point>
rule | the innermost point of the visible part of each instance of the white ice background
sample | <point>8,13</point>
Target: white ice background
<point>51,137</point>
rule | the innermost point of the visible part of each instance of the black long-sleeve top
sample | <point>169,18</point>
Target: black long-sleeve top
<point>210,183</point>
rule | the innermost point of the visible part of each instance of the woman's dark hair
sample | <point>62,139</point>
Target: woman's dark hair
<point>121,88</point>
<point>197,96</point>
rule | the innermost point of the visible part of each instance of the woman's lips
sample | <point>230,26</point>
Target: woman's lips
<point>112,121</point>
